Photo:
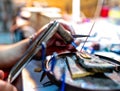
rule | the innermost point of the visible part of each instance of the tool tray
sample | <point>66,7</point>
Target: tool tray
<point>101,80</point>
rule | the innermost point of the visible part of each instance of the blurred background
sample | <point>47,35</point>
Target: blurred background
<point>21,18</point>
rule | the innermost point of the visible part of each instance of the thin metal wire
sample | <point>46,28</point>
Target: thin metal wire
<point>87,37</point>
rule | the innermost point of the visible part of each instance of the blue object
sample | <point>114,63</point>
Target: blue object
<point>63,80</point>
<point>43,55</point>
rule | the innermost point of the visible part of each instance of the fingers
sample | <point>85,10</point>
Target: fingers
<point>67,26</point>
<point>4,86</point>
<point>1,74</point>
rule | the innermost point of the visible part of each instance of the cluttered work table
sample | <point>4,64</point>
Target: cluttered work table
<point>105,33</point>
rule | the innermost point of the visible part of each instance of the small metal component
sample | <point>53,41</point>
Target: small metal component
<point>79,36</point>
<point>85,55</point>
<point>39,69</point>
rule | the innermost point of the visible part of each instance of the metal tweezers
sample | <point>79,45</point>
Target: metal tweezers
<point>31,51</point>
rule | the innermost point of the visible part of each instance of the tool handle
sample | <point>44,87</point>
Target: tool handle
<point>68,38</point>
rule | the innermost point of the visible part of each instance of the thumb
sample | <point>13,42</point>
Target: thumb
<point>1,74</point>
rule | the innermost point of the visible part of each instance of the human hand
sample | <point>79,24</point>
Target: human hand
<point>56,43</point>
<point>4,86</point>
